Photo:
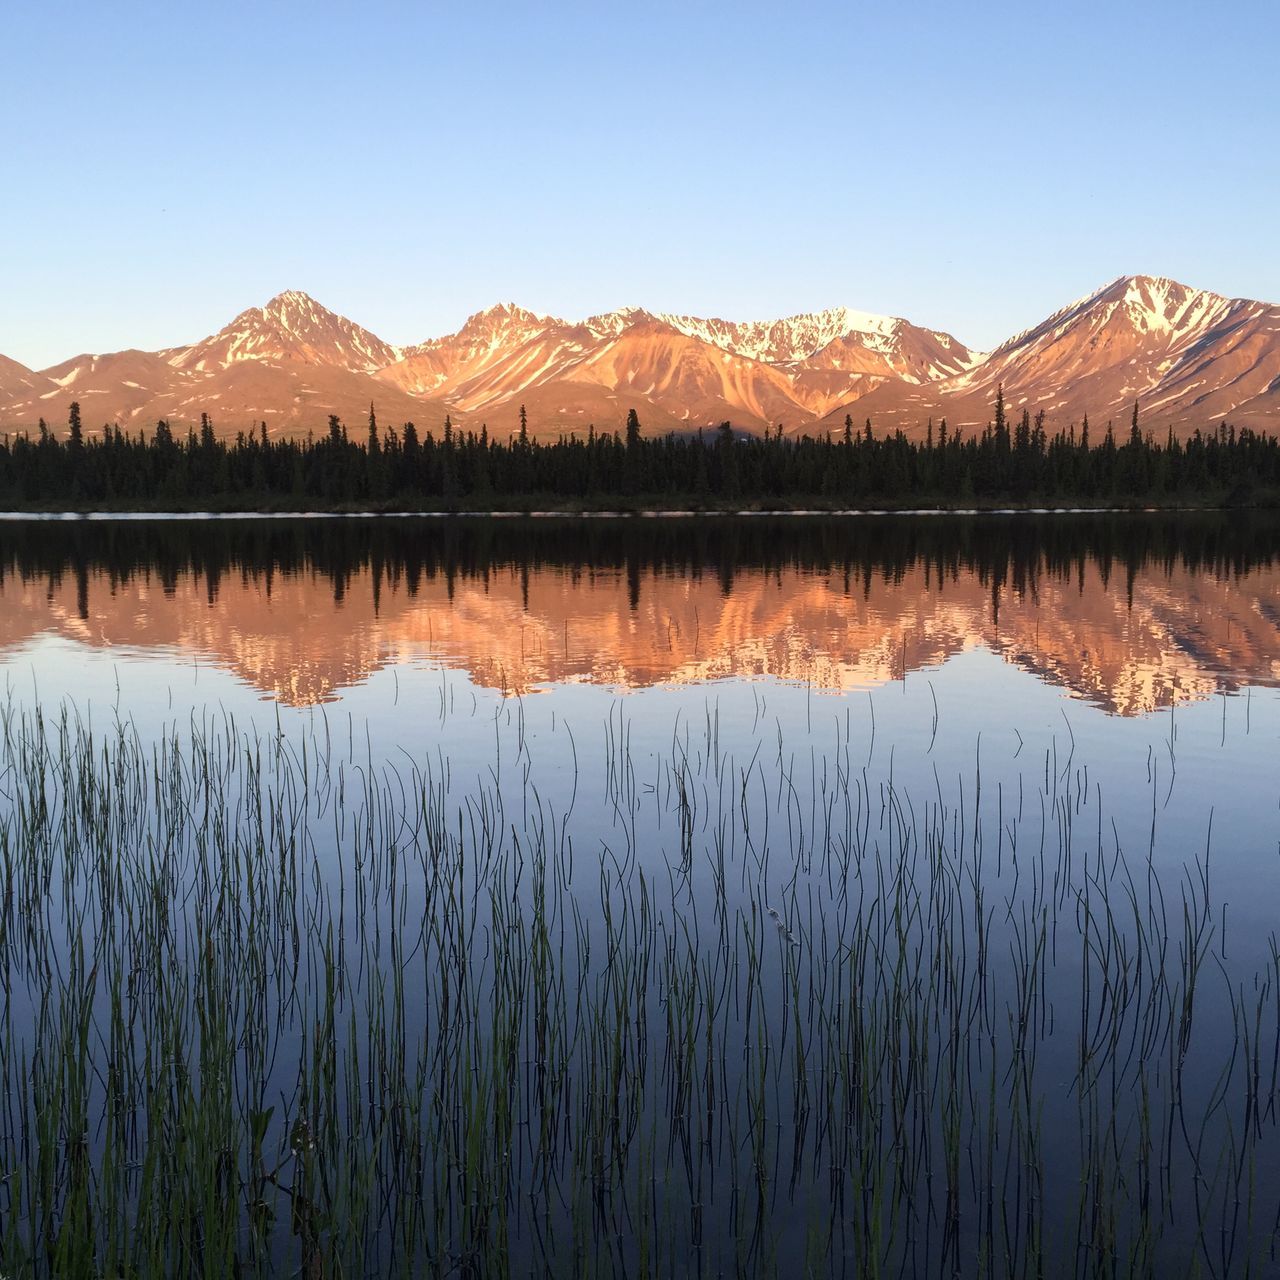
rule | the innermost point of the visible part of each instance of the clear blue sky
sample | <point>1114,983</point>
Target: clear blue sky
<point>971,167</point>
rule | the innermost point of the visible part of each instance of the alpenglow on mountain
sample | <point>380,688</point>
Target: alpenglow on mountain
<point>1189,357</point>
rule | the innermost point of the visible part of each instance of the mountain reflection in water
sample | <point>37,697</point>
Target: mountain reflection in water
<point>1131,612</point>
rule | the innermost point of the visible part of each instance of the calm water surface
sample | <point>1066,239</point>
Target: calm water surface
<point>794,724</point>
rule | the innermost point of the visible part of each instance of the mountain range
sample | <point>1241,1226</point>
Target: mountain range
<point>1190,357</point>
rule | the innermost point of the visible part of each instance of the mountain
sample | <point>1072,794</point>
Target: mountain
<point>291,329</point>
<point>691,372</point>
<point>840,338</point>
<point>17,382</point>
<point>484,342</point>
<point>290,363</point>
<point>652,362</point>
<point>115,387</point>
<point>1190,357</point>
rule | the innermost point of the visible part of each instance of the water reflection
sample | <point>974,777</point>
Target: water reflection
<point>915,952</point>
<point>1129,612</point>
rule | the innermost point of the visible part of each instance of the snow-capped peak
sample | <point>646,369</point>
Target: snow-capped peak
<point>1149,304</point>
<point>609,324</point>
<point>507,315</point>
<point>287,298</point>
<point>1160,305</point>
<point>503,325</point>
<point>292,326</point>
<point>791,338</point>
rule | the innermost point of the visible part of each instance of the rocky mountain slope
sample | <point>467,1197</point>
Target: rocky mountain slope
<point>290,364</point>
<point>1192,358</point>
<point>17,382</point>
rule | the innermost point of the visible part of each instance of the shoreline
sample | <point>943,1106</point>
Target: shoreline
<point>605,513</point>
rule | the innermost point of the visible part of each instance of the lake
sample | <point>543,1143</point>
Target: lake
<point>680,896</point>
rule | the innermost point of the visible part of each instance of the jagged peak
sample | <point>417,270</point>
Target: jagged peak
<point>612,323</point>
<point>1154,304</point>
<point>291,297</point>
<point>1146,290</point>
<point>284,309</point>
<point>801,335</point>
<point>292,305</point>
<point>510,311</point>
<point>489,327</point>
<point>291,325</point>
<point>846,319</point>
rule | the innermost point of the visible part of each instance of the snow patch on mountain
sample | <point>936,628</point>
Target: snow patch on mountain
<point>1151,304</point>
<point>794,337</point>
<point>915,353</point>
<point>293,326</point>
<point>1188,355</point>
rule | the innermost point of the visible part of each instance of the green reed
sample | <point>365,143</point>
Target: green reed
<point>273,1005</point>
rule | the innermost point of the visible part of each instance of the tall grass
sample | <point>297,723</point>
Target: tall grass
<point>275,1006</point>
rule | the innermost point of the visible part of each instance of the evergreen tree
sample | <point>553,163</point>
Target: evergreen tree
<point>1219,462</point>
<point>633,479</point>
<point>727,457</point>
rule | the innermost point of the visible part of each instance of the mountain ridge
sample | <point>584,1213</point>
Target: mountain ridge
<point>1189,356</point>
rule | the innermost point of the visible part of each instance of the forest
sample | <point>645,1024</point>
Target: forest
<point>376,468</point>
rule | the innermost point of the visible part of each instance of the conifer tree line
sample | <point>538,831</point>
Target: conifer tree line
<point>399,467</point>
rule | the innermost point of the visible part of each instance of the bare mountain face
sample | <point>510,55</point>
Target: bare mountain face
<point>20,383</point>
<point>840,338</point>
<point>484,342</point>
<point>1190,357</point>
<point>685,370</point>
<point>290,364</point>
<point>291,329</point>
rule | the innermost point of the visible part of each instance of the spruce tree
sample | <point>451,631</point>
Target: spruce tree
<point>726,452</point>
<point>632,479</point>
